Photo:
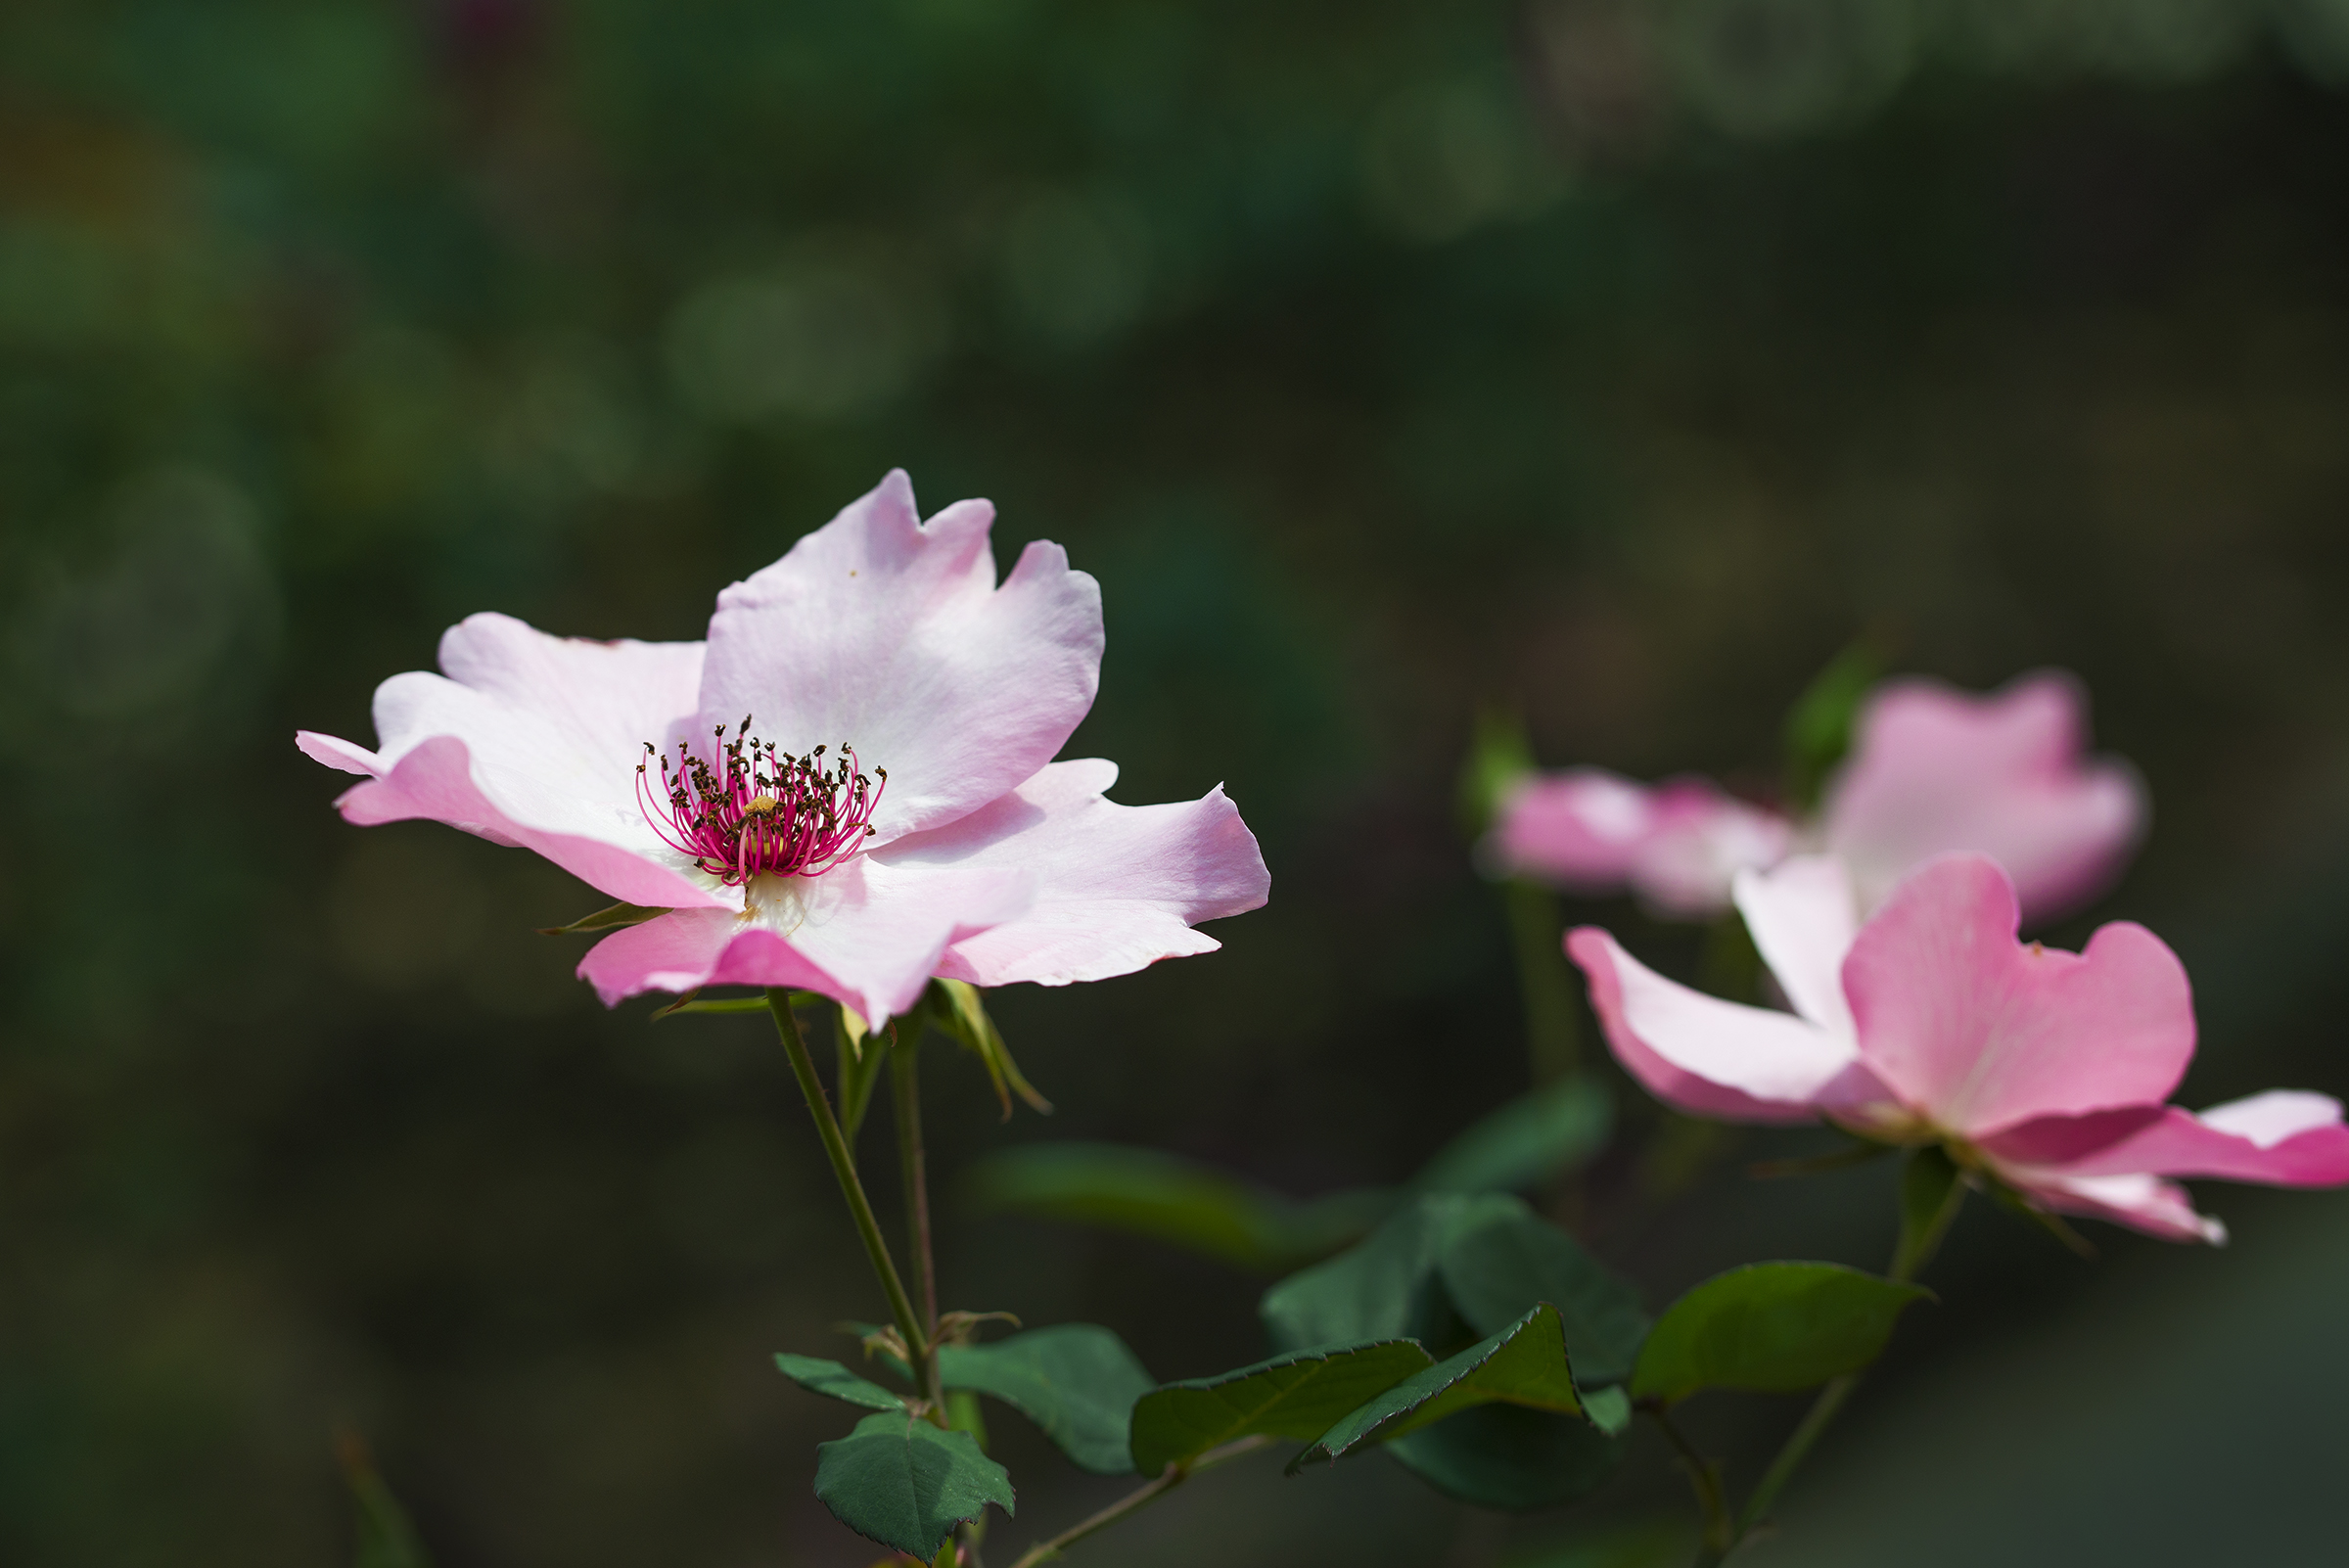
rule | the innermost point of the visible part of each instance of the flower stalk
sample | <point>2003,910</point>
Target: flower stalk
<point>852,1189</point>
<point>913,1168</point>
<point>1932,1189</point>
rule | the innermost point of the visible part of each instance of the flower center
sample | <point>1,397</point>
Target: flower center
<point>759,812</point>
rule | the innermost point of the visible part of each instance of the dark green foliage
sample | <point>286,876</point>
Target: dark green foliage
<point>1770,1328</point>
<point>835,1381</point>
<point>1300,1395</point>
<point>1445,1269</point>
<point>1448,1269</point>
<point>1077,1381</point>
<point>1524,1365</point>
<point>1508,1458</point>
<point>1184,1202</point>
<point>1500,1256</point>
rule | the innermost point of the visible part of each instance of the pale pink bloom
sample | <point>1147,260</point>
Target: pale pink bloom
<point>847,788</point>
<point>1934,1021</point>
<point>1932,769</point>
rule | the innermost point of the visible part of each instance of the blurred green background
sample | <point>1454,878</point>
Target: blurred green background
<point>1620,359</point>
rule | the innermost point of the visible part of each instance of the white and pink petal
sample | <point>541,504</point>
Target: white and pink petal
<point>533,740</point>
<point>1935,770</point>
<point>2284,1138</point>
<point>889,634</point>
<point>865,934</point>
<point>1117,887</point>
<point>2146,1203</point>
<point>1676,845</point>
<point>1980,1031</point>
<point>1706,1057</point>
<point>1802,919</point>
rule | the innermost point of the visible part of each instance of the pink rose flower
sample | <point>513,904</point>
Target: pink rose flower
<point>1932,770</point>
<point>849,788</point>
<point>1933,1022</point>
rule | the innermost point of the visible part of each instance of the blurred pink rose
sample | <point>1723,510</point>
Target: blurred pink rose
<point>1933,1022</point>
<point>1932,769</point>
<point>937,837</point>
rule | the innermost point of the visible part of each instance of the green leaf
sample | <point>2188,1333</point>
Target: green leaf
<point>1524,1363</point>
<point>1527,1144</point>
<point>1500,1258</point>
<point>835,1381</point>
<point>1818,727</point>
<point>1077,1381</point>
<point>1181,1201</point>
<point>956,1006</point>
<point>1296,1396</point>
<point>1508,1458</point>
<point>1385,1288</point>
<point>1770,1328</point>
<point>620,915</point>
<point>906,1484</point>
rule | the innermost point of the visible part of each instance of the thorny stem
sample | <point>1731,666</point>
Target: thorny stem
<point>1815,1420</point>
<point>913,1166</point>
<point>1913,1251</point>
<point>1721,1530</point>
<point>1141,1497</point>
<point>844,1167</point>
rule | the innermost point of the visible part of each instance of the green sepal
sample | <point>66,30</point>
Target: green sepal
<point>1524,1363</point>
<point>620,915</point>
<point>385,1536</point>
<point>1296,1396</point>
<point>956,1006</point>
<point>1077,1382</point>
<point>693,1002</point>
<point>1609,1408</point>
<point>1527,1144</point>
<point>1770,1328</point>
<point>1932,1189</point>
<point>964,1413</point>
<point>1818,727</point>
<point>2022,1204</point>
<point>862,1056</point>
<point>900,1481</point>
<point>835,1381</point>
<point>1185,1203</point>
<point>1498,755</point>
<point>1500,1258</point>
